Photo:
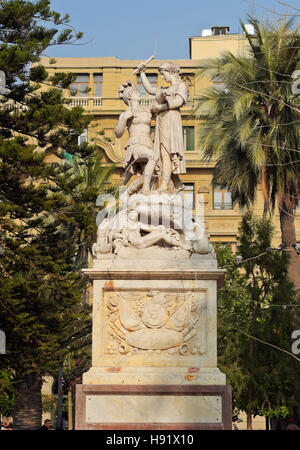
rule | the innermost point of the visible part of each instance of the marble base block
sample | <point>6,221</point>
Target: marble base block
<point>132,407</point>
<point>154,352</point>
<point>154,375</point>
<point>153,316</point>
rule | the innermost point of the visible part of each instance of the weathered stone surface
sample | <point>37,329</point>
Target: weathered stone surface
<point>153,408</point>
<point>155,279</point>
<point>156,319</point>
<point>154,376</point>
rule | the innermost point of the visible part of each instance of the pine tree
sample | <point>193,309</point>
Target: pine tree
<point>42,310</point>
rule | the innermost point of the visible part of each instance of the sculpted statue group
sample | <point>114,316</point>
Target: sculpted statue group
<point>153,214</point>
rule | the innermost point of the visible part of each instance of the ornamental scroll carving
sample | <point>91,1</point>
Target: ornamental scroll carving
<point>155,321</point>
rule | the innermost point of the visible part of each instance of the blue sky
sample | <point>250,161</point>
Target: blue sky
<point>129,29</point>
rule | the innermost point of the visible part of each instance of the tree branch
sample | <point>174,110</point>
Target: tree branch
<point>268,343</point>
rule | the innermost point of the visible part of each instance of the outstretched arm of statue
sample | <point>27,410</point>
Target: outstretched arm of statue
<point>122,123</point>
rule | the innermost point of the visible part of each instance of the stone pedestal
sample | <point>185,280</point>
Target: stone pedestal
<point>153,407</point>
<point>154,353</point>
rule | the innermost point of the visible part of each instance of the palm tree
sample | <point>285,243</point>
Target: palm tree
<point>251,127</point>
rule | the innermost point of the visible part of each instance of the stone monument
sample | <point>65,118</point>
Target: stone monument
<point>155,280</point>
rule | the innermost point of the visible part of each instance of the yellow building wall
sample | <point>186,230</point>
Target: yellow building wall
<point>222,225</point>
<point>202,47</point>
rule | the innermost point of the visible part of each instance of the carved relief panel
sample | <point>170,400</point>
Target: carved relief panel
<point>161,323</point>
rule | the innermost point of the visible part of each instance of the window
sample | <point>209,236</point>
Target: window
<point>218,84</point>
<point>188,195</point>
<point>222,198</point>
<point>188,138</point>
<point>232,245</point>
<point>79,87</point>
<point>219,31</point>
<point>187,78</point>
<point>98,80</point>
<point>152,78</point>
<point>83,137</point>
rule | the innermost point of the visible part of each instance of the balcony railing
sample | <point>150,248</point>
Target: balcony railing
<point>12,106</point>
<point>113,102</point>
<point>97,102</point>
<point>86,102</point>
<point>148,101</point>
<point>223,205</point>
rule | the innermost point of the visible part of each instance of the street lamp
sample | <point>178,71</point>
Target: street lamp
<point>59,425</point>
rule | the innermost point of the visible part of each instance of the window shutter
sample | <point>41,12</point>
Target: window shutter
<point>190,138</point>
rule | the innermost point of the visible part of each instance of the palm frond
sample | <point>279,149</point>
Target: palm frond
<point>246,128</point>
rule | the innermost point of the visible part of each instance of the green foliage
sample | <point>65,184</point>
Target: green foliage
<point>82,181</point>
<point>263,378</point>
<point>6,394</point>
<point>252,128</point>
<point>76,363</point>
<point>281,412</point>
<point>49,403</point>
<point>47,210</point>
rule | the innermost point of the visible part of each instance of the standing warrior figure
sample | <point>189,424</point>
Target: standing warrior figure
<point>168,144</point>
<point>140,157</point>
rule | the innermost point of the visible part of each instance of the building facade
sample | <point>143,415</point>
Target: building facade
<point>96,90</point>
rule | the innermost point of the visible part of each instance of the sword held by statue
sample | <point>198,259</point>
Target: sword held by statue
<point>144,64</point>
